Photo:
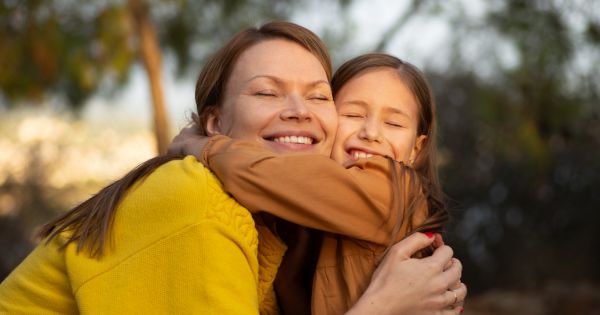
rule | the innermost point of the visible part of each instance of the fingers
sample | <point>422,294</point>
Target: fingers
<point>439,241</point>
<point>411,244</point>
<point>450,298</point>
<point>450,268</point>
<point>441,256</point>
<point>454,299</point>
<point>455,285</point>
<point>188,142</point>
<point>452,275</point>
<point>177,145</point>
<point>461,292</point>
<point>456,296</point>
<point>191,130</point>
<point>453,311</point>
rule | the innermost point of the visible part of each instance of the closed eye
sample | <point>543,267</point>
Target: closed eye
<point>394,124</point>
<point>352,115</point>
<point>319,98</point>
<point>265,93</point>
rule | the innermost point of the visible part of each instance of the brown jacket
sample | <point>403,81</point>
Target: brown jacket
<point>352,205</point>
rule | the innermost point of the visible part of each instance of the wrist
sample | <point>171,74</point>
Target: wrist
<point>367,304</point>
<point>208,148</point>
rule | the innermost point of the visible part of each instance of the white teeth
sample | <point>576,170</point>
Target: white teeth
<point>294,139</point>
<point>360,154</point>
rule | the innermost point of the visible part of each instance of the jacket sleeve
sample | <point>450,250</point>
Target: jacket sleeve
<point>308,190</point>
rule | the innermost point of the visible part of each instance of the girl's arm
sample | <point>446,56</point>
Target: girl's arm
<point>312,190</point>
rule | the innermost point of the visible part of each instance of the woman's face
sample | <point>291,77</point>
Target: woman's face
<point>378,115</point>
<point>278,95</point>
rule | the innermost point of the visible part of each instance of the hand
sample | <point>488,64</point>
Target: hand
<point>404,285</point>
<point>188,142</point>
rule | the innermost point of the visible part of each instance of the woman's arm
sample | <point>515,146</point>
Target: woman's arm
<point>309,190</point>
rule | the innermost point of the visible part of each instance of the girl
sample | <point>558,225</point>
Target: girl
<point>385,109</point>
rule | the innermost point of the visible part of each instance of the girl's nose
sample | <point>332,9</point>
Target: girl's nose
<point>370,131</point>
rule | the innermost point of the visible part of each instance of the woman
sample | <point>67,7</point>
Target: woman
<point>166,238</point>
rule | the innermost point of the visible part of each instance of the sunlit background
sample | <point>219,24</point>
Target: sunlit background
<point>517,86</point>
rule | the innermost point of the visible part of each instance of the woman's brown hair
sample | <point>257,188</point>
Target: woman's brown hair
<point>88,225</point>
<point>424,169</point>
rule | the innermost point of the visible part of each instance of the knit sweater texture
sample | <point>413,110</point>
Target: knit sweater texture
<point>179,245</point>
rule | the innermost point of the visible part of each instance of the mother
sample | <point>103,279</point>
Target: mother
<point>167,239</point>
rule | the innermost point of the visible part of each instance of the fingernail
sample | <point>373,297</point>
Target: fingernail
<point>429,234</point>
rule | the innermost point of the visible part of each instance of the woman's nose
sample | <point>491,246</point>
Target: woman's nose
<point>296,109</point>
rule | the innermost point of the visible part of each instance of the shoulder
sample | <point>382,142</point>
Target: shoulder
<point>182,184</point>
<point>177,195</point>
<point>177,202</point>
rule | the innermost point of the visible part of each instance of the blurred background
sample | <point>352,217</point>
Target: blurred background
<point>88,91</point>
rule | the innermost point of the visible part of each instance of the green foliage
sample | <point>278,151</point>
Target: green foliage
<point>593,32</point>
<point>50,46</point>
<point>71,50</point>
<point>194,29</point>
<point>521,151</point>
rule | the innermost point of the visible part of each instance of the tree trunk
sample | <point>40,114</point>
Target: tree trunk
<point>151,56</point>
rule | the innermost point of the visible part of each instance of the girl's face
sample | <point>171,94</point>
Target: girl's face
<point>378,115</point>
<point>278,95</point>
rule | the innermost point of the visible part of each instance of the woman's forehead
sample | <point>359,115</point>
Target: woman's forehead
<point>278,58</point>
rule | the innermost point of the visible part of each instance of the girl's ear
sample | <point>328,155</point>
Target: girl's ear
<point>419,144</point>
<point>213,124</point>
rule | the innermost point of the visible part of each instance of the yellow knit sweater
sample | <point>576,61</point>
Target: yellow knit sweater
<point>179,245</point>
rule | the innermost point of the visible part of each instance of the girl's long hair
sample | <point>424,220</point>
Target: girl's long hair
<point>423,172</point>
<point>89,224</point>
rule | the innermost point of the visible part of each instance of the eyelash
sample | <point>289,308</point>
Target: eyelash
<point>352,115</point>
<point>268,93</point>
<point>394,124</point>
<point>265,93</point>
<point>319,98</point>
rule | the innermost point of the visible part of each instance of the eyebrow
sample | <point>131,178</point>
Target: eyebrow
<point>394,110</point>
<point>355,102</point>
<point>279,81</point>
<point>389,109</point>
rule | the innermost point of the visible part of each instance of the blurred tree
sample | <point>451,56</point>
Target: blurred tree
<point>71,50</point>
<point>151,56</point>
<point>521,142</point>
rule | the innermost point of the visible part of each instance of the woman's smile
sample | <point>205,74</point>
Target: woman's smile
<point>293,141</point>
